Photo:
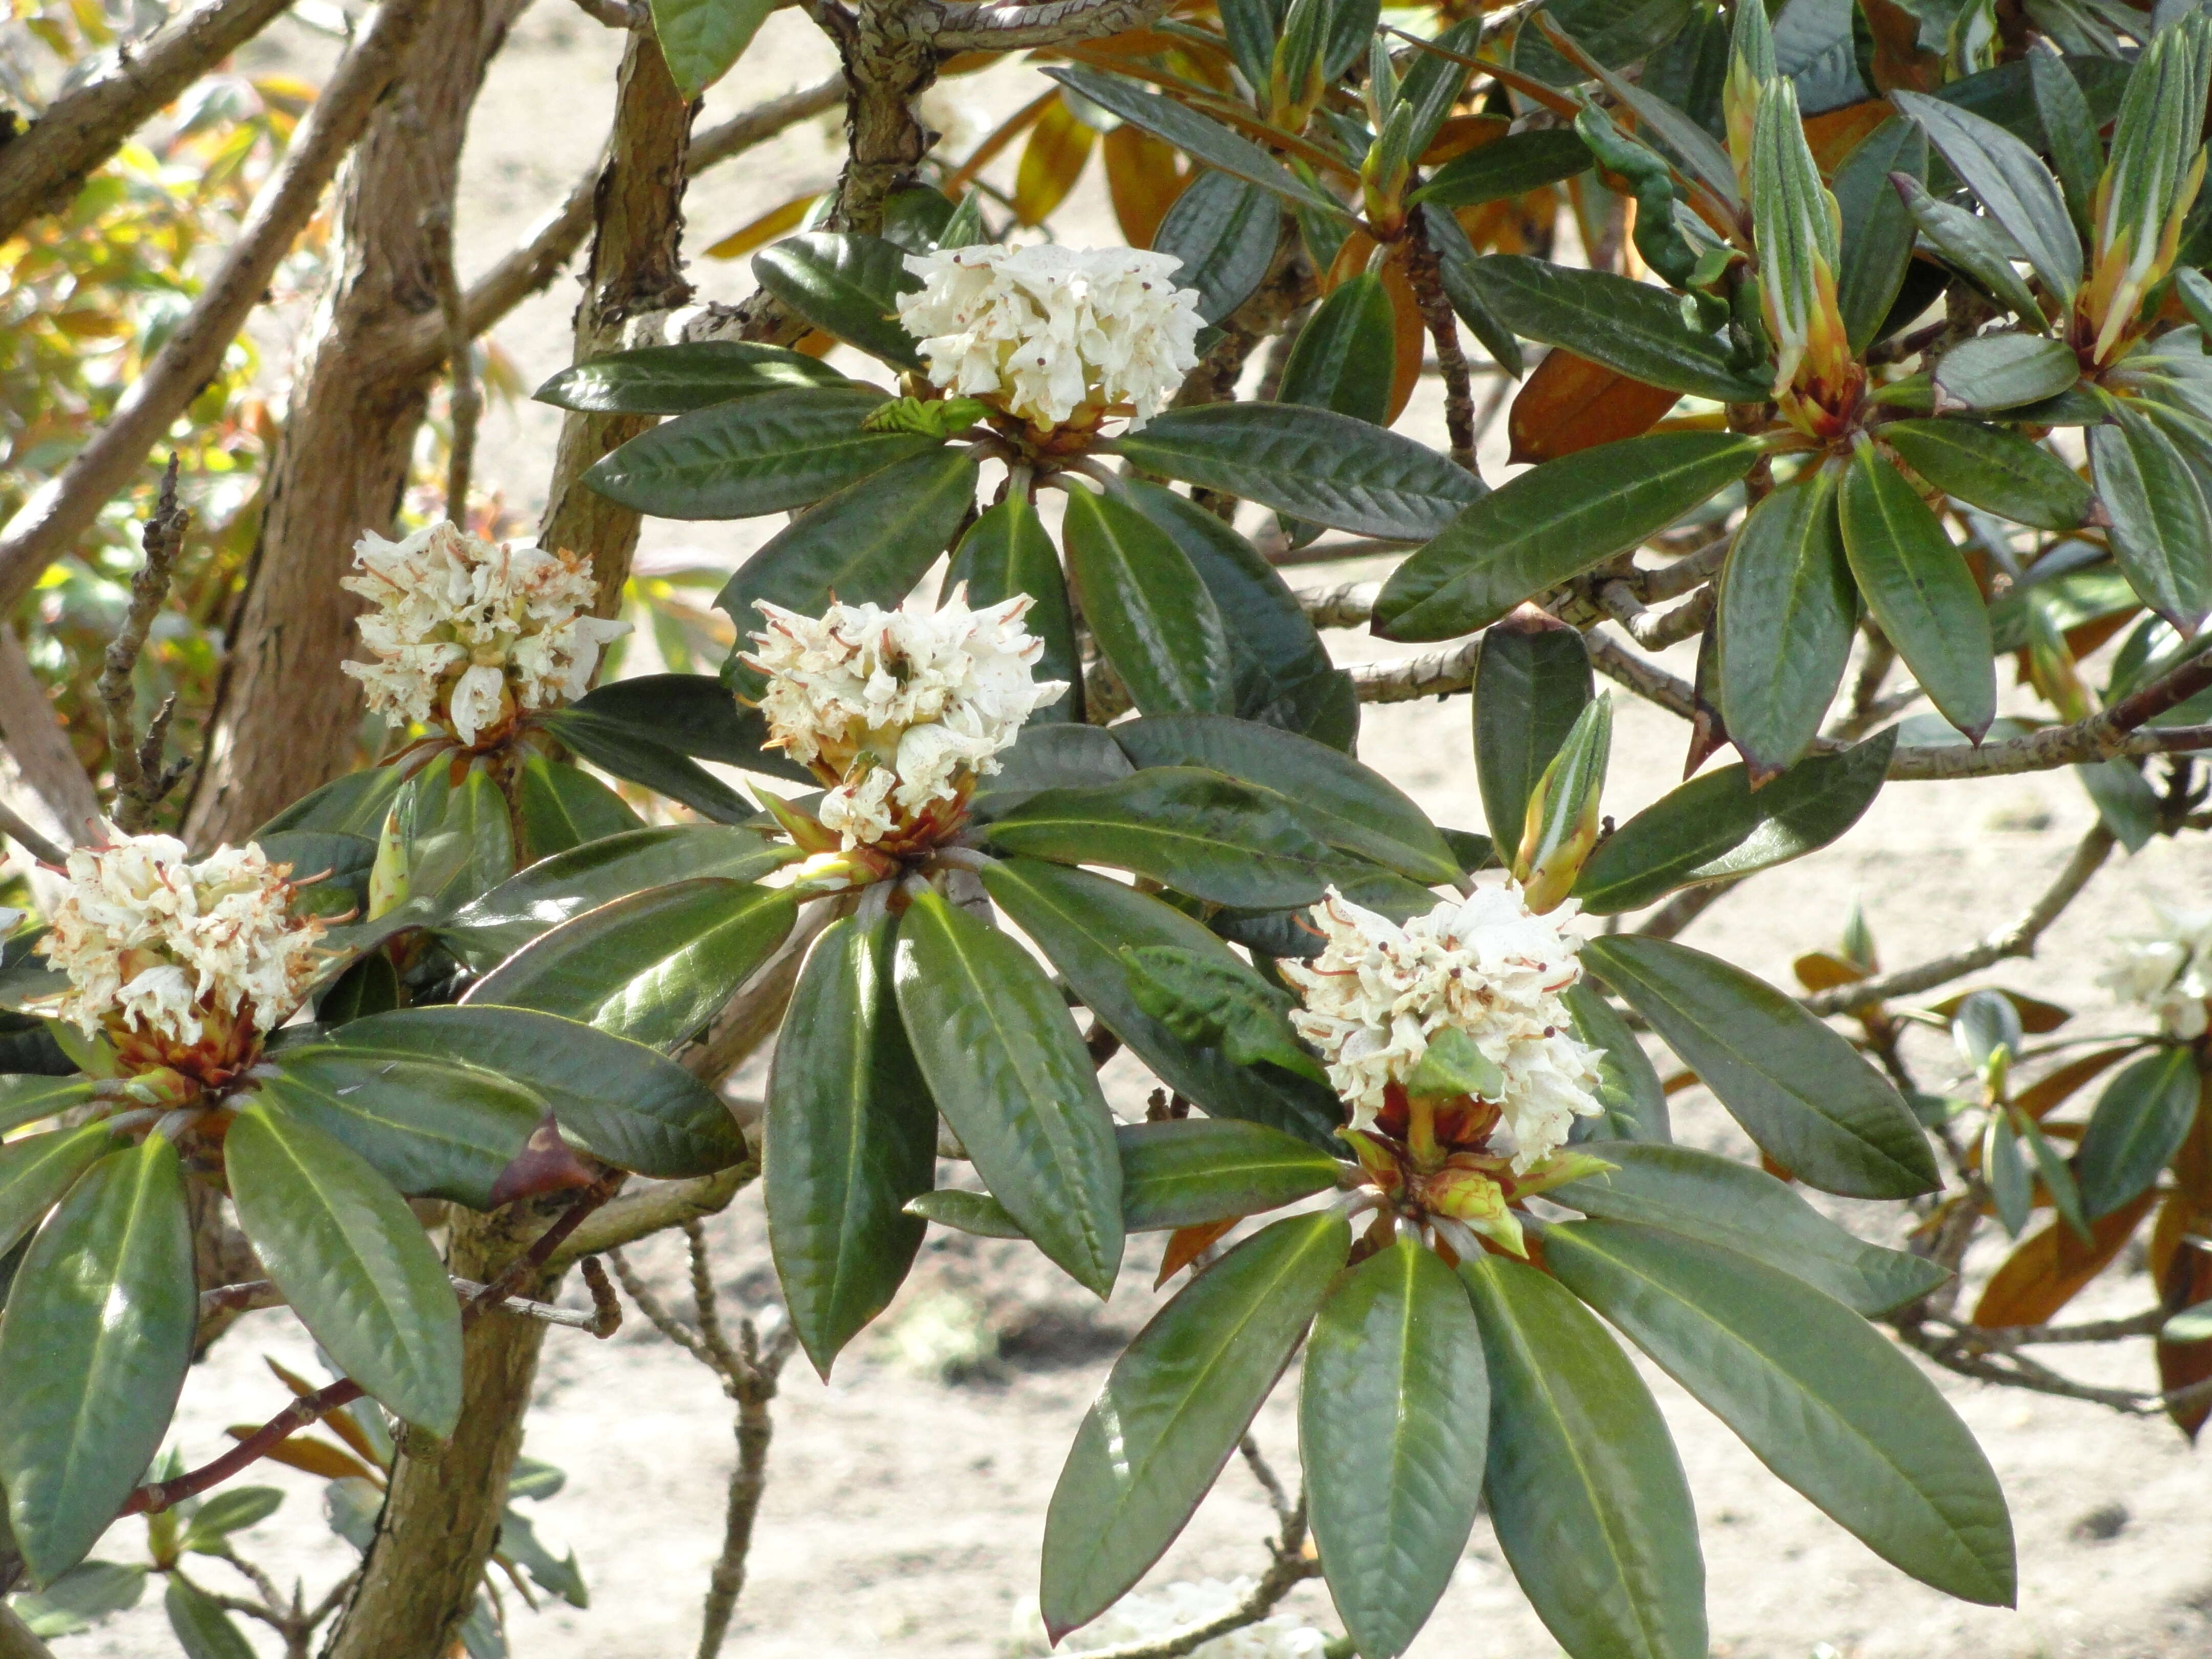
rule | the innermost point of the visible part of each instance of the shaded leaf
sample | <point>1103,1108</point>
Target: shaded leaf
<point>846,285</point>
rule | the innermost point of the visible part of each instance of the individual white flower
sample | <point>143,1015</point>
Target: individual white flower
<point>1149,1615</point>
<point>2169,973</point>
<point>897,710</point>
<point>466,630</point>
<point>1044,332</point>
<point>1485,964</point>
<point>174,952</point>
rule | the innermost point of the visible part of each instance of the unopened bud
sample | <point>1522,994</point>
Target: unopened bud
<point>1562,825</point>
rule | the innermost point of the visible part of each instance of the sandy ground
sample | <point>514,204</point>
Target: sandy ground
<point>904,1511</point>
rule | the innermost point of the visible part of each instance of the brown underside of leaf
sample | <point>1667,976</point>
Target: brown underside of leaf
<point>1570,404</point>
<point>2048,1268</point>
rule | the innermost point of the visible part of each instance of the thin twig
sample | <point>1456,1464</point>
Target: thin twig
<point>2018,939</point>
<point>140,781</point>
<point>465,398</point>
<point>1970,1358</point>
<point>1287,1568</point>
<point>614,14</point>
<point>1424,275</point>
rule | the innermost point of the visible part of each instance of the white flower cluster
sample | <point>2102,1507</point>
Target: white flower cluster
<point>1485,964</point>
<point>2169,972</point>
<point>1043,332</point>
<point>467,621</point>
<point>1150,1615</point>
<point>144,934</point>
<point>924,699</point>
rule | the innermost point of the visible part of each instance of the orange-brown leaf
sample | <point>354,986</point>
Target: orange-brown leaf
<point>1835,133</point>
<point>1412,338</point>
<point>1824,970</point>
<point>2047,1269</point>
<point>2186,1282</point>
<point>1187,1244</point>
<point>317,1457</point>
<point>1059,143</point>
<point>764,230</point>
<point>1142,178</point>
<point>1461,133</point>
<point>1570,402</point>
<point>2047,1093</point>
<point>1007,132</point>
<point>1898,61</point>
<point>2036,1015</point>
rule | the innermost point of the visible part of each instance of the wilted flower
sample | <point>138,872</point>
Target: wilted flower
<point>469,631</point>
<point>898,710</point>
<point>182,964</point>
<point>2169,972</point>
<point>1486,966</point>
<point>1150,1615</point>
<point>1057,336</point>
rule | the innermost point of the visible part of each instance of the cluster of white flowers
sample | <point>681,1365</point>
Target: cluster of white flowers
<point>1043,332</point>
<point>2169,972</point>
<point>1485,964</point>
<point>1149,1615</point>
<point>899,708</point>
<point>465,621</point>
<point>160,942</point>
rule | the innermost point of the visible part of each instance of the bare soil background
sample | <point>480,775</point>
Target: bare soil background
<point>903,1510</point>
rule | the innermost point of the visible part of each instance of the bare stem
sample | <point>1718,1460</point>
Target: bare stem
<point>465,398</point>
<point>1287,1568</point>
<point>1427,283</point>
<point>2017,940</point>
<point>141,780</point>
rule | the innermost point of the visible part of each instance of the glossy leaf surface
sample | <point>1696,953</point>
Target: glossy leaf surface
<point>764,454</point>
<point>846,285</point>
<point>1153,617</point>
<point>1787,612</point>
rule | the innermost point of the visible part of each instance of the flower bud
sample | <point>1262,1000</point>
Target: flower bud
<point>1562,824</point>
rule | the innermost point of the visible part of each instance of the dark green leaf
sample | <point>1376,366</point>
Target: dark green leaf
<point>625,1103</point>
<point>2069,130</point>
<point>354,804</point>
<point>1919,589</point>
<point>1195,830</point>
<point>1612,31</point>
<point>2013,184</point>
<point>470,848</point>
<point>37,1169</point>
<point>1006,1068</point>
<point>1346,803</point>
<point>1212,1004</point>
<point>1455,1065</point>
<point>1972,246</point>
<point>1787,612</point>
<point>1511,165</point>
<point>701,39</point>
<point>2161,531</point>
<point>2141,1121</point>
<point>1531,683</point>
<point>519,1543</point>
<point>1060,755</point>
<point>1628,1089</point>
<point>1825,1401</point>
<point>1993,467</point>
<point>1182,1174</point>
<point>1205,140</point>
<point>563,807</point>
<point>2012,1188</point>
<point>867,544</point>
<point>1007,551</point>
<point>781,449</point>
<point>433,1130</point>
<point>352,1261</point>
<point>1583,1484</point>
<point>202,1628</point>
<point>1393,1412</point>
<point>1082,922</point>
<point>1284,675</point>
<point>232,1508</point>
<point>679,379</point>
<point>1455,268</point>
<point>851,1136</point>
<point>1553,522</point>
<point>2126,801</point>
<point>1173,1409</point>
<point>2002,371</point>
<point>691,715</point>
<point>1799,1090</point>
<point>653,967</point>
<point>976,1213</point>
<point>846,285</point>
<point>93,1353</point>
<point>616,745</point>
<point>86,1594</point>
<point>1716,826</point>
<point>1224,232</point>
<point>1344,357</point>
<point>1746,1210</point>
<point>1878,230</point>
<point>1309,462</point>
<point>487,931</point>
<point>1155,622</point>
<point>1626,325</point>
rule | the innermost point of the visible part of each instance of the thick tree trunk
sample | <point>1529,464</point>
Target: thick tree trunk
<point>286,720</point>
<point>440,1519</point>
<point>636,266</point>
